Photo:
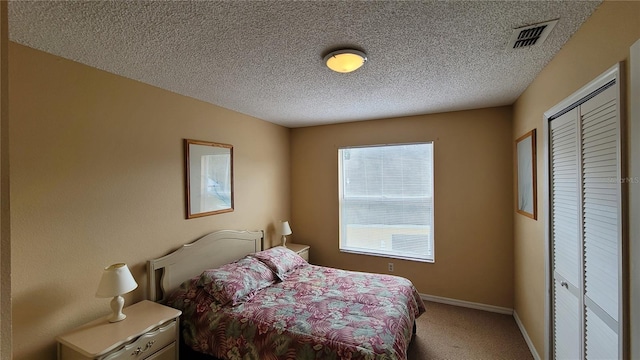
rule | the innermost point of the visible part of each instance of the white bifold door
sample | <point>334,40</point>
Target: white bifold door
<point>585,208</point>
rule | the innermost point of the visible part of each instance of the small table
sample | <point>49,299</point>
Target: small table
<point>300,249</point>
<point>150,332</point>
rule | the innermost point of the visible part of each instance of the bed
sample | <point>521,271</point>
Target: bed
<point>239,302</point>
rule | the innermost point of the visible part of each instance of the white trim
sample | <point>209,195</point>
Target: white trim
<point>467,304</point>
<point>527,339</point>
<point>546,206</point>
<point>634,200</point>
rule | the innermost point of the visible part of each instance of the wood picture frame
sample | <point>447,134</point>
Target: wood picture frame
<point>209,178</point>
<point>526,175</point>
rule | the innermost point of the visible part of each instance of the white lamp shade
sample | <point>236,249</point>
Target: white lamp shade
<point>116,280</point>
<point>285,229</point>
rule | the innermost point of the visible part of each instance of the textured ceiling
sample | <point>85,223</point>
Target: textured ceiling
<point>264,58</point>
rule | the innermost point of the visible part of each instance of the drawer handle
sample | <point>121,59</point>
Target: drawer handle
<point>140,350</point>
<point>564,284</point>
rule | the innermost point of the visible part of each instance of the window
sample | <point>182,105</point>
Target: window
<point>386,200</point>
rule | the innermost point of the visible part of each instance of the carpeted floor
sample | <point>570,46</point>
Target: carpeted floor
<point>452,332</point>
<point>447,332</point>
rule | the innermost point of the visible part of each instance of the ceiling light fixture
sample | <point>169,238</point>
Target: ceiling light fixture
<point>345,60</point>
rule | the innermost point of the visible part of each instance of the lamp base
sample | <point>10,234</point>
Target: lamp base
<point>117,303</point>
<point>284,241</point>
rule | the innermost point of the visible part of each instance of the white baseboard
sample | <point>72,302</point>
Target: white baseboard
<point>490,308</point>
<point>467,304</point>
<point>527,339</point>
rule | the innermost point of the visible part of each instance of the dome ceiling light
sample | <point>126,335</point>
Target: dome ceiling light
<point>345,60</point>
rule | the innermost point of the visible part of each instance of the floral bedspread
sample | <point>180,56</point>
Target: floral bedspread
<point>315,313</point>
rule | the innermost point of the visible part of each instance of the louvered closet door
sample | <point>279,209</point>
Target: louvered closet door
<point>585,209</point>
<point>565,226</point>
<point>601,224</point>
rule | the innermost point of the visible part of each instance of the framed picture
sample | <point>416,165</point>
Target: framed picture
<point>209,178</point>
<point>526,175</point>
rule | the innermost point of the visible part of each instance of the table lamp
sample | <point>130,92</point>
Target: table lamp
<point>285,230</point>
<point>116,281</point>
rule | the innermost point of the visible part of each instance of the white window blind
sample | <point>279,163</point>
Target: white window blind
<point>386,200</point>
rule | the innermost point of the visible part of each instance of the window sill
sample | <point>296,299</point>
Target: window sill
<point>388,256</point>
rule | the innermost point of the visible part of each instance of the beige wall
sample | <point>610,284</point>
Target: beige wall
<point>473,221</point>
<point>600,43</point>
<point>97,178</point>
<point>5,219</point>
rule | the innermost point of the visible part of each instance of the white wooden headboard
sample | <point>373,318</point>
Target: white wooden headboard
<point>165,274</point>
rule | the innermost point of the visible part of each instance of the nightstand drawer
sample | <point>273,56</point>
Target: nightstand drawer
<point>147,344</point>
<point>304,254</point>
<point>168,353</point>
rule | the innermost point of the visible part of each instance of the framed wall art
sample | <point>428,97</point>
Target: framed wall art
<point>526,175</point>
<point>209,178</point>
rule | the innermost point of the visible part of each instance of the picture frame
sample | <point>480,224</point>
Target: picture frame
<point>209,178</point>
<point>526,175</point>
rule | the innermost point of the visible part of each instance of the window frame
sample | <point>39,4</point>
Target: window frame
<point>382,198</point>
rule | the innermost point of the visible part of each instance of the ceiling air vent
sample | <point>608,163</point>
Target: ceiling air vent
<point>531,35</point>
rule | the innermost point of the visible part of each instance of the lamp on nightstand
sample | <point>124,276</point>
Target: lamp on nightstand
<point>285,230</point>
<point>116,281</point>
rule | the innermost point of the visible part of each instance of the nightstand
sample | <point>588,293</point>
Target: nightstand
<point>149,332</point>
<point>302,250</point>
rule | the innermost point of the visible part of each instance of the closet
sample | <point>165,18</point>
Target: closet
<point>585,221</point>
